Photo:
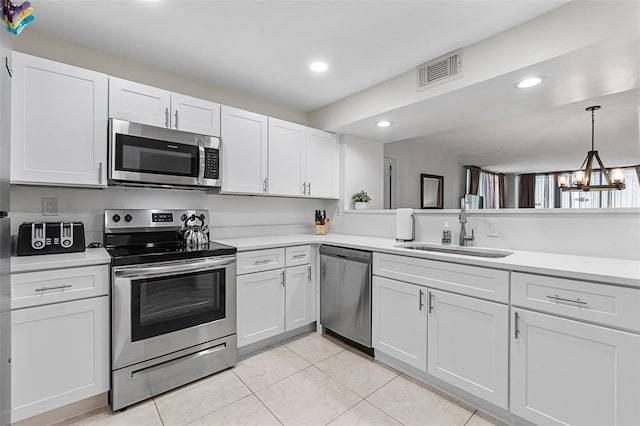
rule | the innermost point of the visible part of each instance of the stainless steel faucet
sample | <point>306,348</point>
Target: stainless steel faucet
<point>464,238</point>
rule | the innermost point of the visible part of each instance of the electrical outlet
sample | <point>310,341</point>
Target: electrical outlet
<point>50,206</point>
<point>492,228</point>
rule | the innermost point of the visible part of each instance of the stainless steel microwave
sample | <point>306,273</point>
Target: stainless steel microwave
<point>148,155</point>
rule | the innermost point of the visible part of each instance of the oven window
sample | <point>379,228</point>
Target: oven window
<point>142,155</point>
<point>166,304</point>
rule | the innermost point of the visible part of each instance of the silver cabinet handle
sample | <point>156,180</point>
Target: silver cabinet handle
<point>261,262</point>
<point>100,173</point>
<point>57,287</point>
<point>299,256</point>
<point>562,299</point>
<point>309,190</point>
<point>430,302</point>
<point>309,269</point>
<point>304,188</point>
<point>166,117</point>
<point>420,304</point>
<point>264,185</point>
<point>516,331</point>
<point>176,123</point>
<point>282,278</point>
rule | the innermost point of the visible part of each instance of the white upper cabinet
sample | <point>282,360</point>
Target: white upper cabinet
<point>144,104</point>
<point>244,151</point>
<point>58,124</point>
<point>195,115</point>
<point>321,164</point>
<point>286,158</point>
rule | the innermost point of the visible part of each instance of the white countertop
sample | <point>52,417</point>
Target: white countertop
<point>89,257</point>
<point>607,270</point>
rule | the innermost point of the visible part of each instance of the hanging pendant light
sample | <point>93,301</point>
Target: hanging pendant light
<point>582,177</point>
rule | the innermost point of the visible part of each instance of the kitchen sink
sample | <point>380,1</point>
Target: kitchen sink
<point>466,251</point>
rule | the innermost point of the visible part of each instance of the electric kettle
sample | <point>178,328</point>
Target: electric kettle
<point>195,236</point>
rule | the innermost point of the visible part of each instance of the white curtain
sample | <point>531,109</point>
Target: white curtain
<point>489,189</point>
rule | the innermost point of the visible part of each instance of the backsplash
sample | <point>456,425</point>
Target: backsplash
<point>232,216</point>
<point>611,233</point>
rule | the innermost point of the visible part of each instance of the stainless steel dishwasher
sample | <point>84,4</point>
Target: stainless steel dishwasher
<point>345,293</point>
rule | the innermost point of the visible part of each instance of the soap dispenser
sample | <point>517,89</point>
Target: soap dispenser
<point>446,234</point>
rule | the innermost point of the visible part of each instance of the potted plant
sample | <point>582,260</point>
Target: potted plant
<point>360,200</point>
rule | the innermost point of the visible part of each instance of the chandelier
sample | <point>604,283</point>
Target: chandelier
<point>582,177</point>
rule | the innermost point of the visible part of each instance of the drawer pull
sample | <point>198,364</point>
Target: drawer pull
<point>262,262</point>
<point>299,256</point>
<point>53,288</point>
<point>562,299</point>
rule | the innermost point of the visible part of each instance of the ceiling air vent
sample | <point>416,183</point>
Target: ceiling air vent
<point>439,70</point>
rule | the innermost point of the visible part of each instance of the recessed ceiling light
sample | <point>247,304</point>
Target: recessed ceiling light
<point>319,66</point>
<point>384,123</point>
<point>529,82</point>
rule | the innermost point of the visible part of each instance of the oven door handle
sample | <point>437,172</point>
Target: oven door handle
<point>175,269</point>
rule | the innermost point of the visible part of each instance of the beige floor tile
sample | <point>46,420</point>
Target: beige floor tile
<point>248,411</point>
<point>142,414</point>
<point>266,368</point>
<point>314,348</point>
<point>412,404</point>
<point>198,399</point>
<point>481,419</point>
<point>364,414</point>
<point>309,397</point>
<point>360,374</point>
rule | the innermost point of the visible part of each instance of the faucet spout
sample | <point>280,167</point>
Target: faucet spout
<point>464,237</point>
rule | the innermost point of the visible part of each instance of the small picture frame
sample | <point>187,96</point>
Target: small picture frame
<point>431,191</point>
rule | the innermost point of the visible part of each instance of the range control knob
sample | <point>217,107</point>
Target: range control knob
<point>116,218</point>
<point>183,217</point>
<point>202,216</point>
<point>128,218</point>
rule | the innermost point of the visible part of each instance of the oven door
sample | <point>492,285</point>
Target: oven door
<point>165,307</point>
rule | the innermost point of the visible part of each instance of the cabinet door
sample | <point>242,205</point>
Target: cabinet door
<point>139,103</point>
<point>195,115</point>
<point>59,355</point>
<point>569,372</point>
<point>468,344</point>
<point>321,164</point>
<point>244,151</point>
<point>260,306</point>
<point>299,297</point>
<point>286,158</point>
<point>59,124</point>
<point>399,321</point>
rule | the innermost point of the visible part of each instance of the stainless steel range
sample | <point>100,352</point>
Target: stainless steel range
<point>173,305</point>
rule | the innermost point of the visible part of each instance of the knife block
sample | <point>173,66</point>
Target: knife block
<point>322,229</point>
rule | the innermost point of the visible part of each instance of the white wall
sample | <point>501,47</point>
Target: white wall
<point>230,215</point>
<point>612,233</point>
<point>415,158</point>
<point>37,44</point>
<point>361,163</point>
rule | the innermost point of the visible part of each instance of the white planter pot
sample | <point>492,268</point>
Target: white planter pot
<point>360,205</point>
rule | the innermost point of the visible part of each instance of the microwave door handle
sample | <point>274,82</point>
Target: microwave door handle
<point>165,271</point>
<point>201,165</point>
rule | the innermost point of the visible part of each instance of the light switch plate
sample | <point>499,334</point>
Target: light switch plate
<point>492,228</point>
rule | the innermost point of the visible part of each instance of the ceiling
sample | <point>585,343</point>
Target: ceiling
<point>265,47</point>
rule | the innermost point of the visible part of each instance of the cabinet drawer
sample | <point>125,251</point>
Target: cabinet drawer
<point>299,255</point>
<point>606,304</point>
<point>260,260</point>
<point>474,281</point>
<point>58,285</point>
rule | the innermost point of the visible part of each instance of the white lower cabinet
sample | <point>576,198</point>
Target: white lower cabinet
<point>569,372</point>
<point>299,297</point>
<point>399,322</point>
<point>468,344</point>
<point>260,306</point>
<point>59,355</point>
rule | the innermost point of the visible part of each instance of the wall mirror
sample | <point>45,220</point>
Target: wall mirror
<point>431,191</point>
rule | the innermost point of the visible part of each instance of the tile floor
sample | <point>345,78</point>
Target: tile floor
<point>313,380</point>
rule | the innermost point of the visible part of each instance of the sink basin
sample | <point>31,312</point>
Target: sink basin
<point>466,251</point>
